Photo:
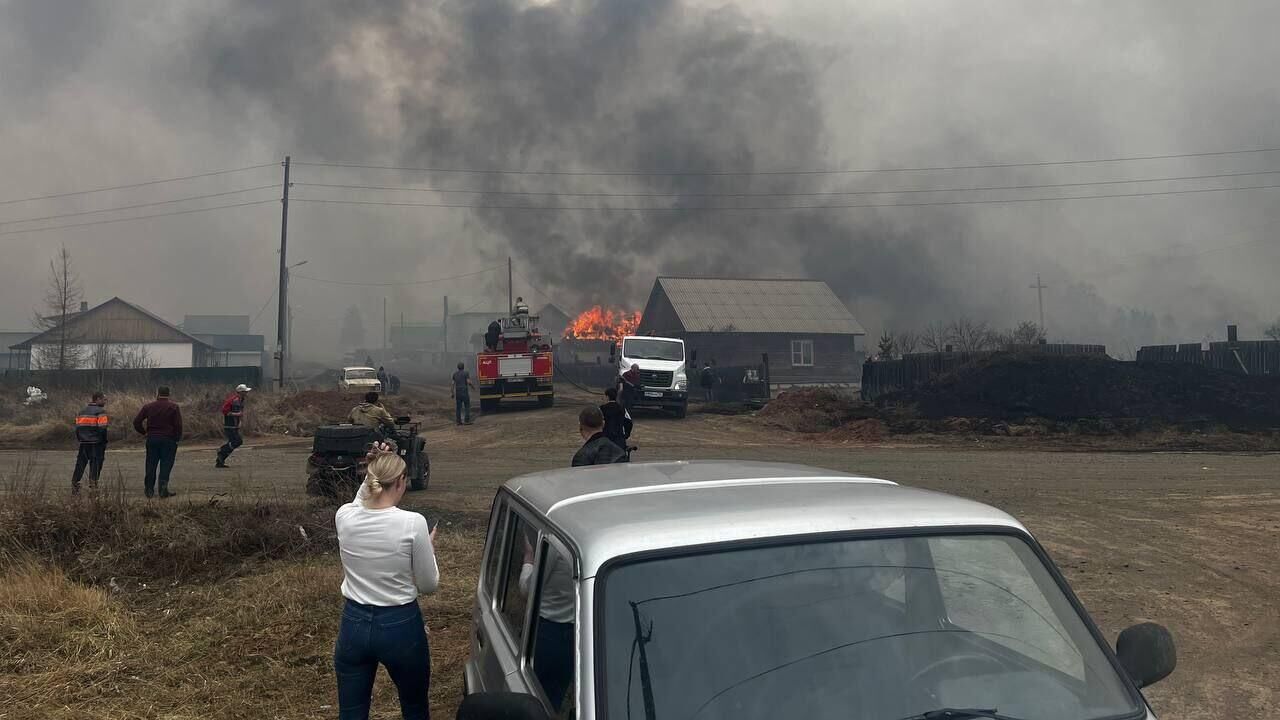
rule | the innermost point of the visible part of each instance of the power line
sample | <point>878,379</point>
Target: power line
<point>137,184</point>
<point>264,307</point>
<point>391,284</point>
<point>137,217</point>
<point>738,173</point>
<point>615,208</point>
<point>824,193</point>
<point>140,205</point>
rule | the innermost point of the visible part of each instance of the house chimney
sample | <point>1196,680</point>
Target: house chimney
<point>84,306</point>
<point>1232,334</point>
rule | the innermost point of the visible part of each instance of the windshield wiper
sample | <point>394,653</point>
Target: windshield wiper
<point>960,714</point>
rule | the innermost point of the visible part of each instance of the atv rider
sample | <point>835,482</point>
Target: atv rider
<point>371,414</point>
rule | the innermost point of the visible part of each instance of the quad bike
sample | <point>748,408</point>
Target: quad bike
<point>335,468</point>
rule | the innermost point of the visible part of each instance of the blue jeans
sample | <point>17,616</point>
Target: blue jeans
<point>161,454</point>
<point>462,407</point>
<point>396,637</point>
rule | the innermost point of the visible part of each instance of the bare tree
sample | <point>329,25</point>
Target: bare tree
<point>907,341</point>
<point>1027,333</point>
<point>970,335</point>
<point>1273,332</point>
<point>934,337</point>
<point>61,301</point>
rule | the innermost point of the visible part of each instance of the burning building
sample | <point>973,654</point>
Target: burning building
<point>808,334</point>
<point>589,337</point>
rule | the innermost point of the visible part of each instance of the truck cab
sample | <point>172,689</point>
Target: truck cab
<point>729,590</point>
<point>664,375</point>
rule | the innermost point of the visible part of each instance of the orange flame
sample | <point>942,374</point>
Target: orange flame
<point>601,324</point>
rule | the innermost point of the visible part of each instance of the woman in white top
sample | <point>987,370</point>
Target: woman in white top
<point>387,560</point>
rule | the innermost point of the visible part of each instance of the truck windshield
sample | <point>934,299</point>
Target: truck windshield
<point>871,629</point>
<point>362,374</point>
<point>651,349</point>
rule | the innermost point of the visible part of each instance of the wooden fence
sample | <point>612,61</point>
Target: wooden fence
<point>144,378</point>
<point>1251,357</point>
<point>888,376</point>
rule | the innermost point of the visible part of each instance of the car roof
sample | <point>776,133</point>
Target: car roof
<point>613,510</point>
<point>357,367</point>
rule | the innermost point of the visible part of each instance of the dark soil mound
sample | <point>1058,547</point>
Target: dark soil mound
<point>814,410</point>
<point>1015,387</point>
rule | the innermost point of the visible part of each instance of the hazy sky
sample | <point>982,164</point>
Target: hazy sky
<point>96,94</point>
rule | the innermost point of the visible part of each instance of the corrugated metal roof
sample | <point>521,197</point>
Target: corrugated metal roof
<point>758,306</point>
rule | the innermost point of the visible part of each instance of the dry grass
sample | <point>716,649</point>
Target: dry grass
<point>117,608</point>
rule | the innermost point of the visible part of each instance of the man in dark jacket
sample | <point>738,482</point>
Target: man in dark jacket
<point>232,420</point>
<point>91,433</point>
<point>597,449</point>
<point>629,387</point>
<point>617,421</point>
<point>161,421</point>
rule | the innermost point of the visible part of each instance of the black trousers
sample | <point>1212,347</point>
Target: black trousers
<point>553,659</point>
<point>91,455</point>
<point>161,454</point>
<point>233,441</point>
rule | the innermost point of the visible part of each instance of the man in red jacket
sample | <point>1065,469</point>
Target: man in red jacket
<point>161,421</point>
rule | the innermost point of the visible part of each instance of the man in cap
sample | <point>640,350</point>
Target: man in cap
<point>232,419</point>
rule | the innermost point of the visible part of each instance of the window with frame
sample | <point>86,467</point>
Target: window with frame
<point>802,353</point>
<point>493,564</point>
<point>554,649</point>
<point>520,540</point>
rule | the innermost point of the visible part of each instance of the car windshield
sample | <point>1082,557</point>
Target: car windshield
<point>867,629</point>
<point>362,375</point>
<point>650,349</point>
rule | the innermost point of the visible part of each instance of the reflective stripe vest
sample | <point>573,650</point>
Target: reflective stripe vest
<point>91,424</point>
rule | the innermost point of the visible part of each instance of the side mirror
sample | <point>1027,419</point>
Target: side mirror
<point>501,706</point>
<point>1147,653</point>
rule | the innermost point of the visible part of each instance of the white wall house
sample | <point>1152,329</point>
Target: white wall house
<point>117,334</point>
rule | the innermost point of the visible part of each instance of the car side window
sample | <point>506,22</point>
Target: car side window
<point>553,639</point>
<point>519,542</point>
<point>493,564</point>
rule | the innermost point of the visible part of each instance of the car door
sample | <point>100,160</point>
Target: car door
<point>502,608</point>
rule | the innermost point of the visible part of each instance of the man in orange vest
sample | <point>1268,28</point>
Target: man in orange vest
<point>91,432</point>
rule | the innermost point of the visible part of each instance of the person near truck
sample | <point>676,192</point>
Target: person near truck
<point>383,381</point>
<point>492,335</point>
<point>388,561</point>
<point>617,421</point>
<point>232,421</point>
<point>708,382</point>
<point>91,433</point>
<point>629,387</point>
<point>461,394</point>
<point>596,448</point>
<point>161,421</point>
<point>371,414</point>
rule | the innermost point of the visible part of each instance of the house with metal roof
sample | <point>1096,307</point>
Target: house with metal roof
<point>803,329</point>
<point>116,334</point>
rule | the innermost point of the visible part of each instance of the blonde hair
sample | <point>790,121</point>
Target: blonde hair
<point>383,472</point>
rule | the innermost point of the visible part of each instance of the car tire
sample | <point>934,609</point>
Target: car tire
<point>682,410</point>
<point>488,406</point>
<point>547,401</point>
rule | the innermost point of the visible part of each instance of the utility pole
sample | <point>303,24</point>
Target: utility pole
<point>1039,287</point>
<point>384,331</point>
<point>282,319</point>
<point>446,324</point>
<point>510,299</point>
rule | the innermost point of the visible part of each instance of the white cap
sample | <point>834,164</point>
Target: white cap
<point>243,388</point>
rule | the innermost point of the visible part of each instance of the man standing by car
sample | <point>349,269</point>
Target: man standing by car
<point>617,421</point>
<point>232,420</point>
<point>596,448</point>
<point>91,432</point>
<point>461,393</point>
<point>161,421</point>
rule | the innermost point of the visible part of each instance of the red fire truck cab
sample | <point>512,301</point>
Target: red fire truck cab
<point>518,365</point>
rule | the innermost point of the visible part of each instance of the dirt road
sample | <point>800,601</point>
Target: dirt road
<point>1188,540</point>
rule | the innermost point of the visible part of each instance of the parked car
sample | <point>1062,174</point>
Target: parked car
<point>359,380</point>
<point>718,590</point>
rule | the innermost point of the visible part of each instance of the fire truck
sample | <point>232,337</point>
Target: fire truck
<point>518,364</point>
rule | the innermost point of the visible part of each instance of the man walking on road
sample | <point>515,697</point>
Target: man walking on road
<point>617,421</point>
<point>232,416</point>
<point>91,432</point>
<point>161,421</point>
<point>461,393</point>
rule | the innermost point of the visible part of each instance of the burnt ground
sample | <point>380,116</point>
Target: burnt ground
<point>1186,539</point>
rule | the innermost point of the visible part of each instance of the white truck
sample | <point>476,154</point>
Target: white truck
<point>664,374</point>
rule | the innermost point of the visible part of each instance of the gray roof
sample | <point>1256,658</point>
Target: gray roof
<point>758,306</point>
<point>614,510</point>
<point>216,324</point>
<point>87,315</point>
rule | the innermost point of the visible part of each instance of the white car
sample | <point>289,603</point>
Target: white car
<point>359,380</point>
<point>742,590</point>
